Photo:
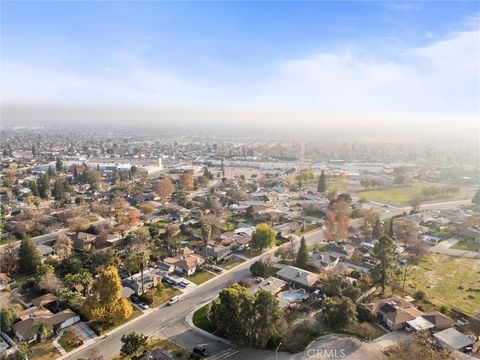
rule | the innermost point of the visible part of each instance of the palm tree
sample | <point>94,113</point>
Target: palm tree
<point>142,258</point>
<point>42,331</point>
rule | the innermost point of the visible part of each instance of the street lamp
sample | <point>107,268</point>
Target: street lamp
<point>276,351</point>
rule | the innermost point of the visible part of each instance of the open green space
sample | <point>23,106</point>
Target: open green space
<point>165,295</point>
<point>231,262</point>
<point>200,277</point>
<point>200,319</point>
<point>307,229</point>
<point>469,246</point>
<point>401,195</point>
<point>447,280</point>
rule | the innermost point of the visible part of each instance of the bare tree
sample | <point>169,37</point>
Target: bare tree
<point>64,246</point>
<point>50,283</point>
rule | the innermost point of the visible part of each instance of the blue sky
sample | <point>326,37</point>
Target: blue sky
<point>373,57</point>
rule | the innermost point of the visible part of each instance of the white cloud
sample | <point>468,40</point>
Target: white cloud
<point>441,78</point>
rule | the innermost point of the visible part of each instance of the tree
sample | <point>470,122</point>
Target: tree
<point>7,317</point>
<point>50,283</point>
<point>206,236</point>
<point>105,302</point>
<point>8,259</point>
<point>259,269</point>
<point>377,231</point>
<point>63,246</point>
<point>345,197</point>
<point>268,319</point>
<point>322,183</point>
<point>336,226</point>
<point>383,254</point>
<point>390,229</point>
<point>29,257</point>
<point>43,185</point>
<point>406,231</point>
<point>132,343</point>
<point>164,188</point>
<point>82,277</point>
<point>42,331</point>
<point>476,198</point>
<point>23,350</point>
<point>186,181</point>
<point>142,258</point>
<point>342,313</point>
<point>415,204</point>
<point>302,255</point>
<point>263,237</point>
<point>59,164</point>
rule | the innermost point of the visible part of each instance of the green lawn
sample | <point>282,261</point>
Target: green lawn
<point>469,246</point>
<point>307,228</point>
<point>231,262</point>
<point>167,293</point>
<point>200,319</point>
<point>43,351</point>
<point>398,195</point>
<point>200,277</point>
<point>272,271</point>
<point>448,280</point>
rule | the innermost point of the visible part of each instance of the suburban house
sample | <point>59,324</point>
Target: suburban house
<point>25,329</point>
<point>83,241</point>
<point>394,312</point>
<point>344,251</point>
<point>236,241</point>
<point>271,284</point>
<point>439,320</point>
<point>324,260</point>
<point>289,228</point>
<point>453,340</point>
<point>150,278</point>
<point>219,252</point>
<point>469,235</point>
<point>185,262</point>
<point>297,276</point>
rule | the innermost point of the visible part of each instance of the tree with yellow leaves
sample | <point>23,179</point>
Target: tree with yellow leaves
<point>105,303</point>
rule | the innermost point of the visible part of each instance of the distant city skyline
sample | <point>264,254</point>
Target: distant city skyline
<point>342,58</point>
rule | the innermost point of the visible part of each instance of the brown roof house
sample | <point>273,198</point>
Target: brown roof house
<point>31,318</point>
<point>83,241</point>
<point>297,276</point>
<point>395,312</point>
<point>185,262</point>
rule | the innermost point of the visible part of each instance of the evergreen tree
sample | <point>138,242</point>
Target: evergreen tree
<point>75,172</point>
<point>383,254</point>
<point>476,198</point>
<point>58,190</point>
<point>322,183</point>
<point>50,171</point>
<point>390,230</point>
<point>59,164</point>
<point>33,188</point>
<point>43,184</point>
<point>67,186</point>
<point>132,343</point>
<point>29,257</point>
<point>302,255</point>
<point>377,231</point>
<point>34,150</point>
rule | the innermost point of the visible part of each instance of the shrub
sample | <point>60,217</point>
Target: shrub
<point>147,298</point>
<point>364,314</point>
<point>419,295</point>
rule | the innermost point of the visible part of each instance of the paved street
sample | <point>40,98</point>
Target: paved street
<point>444,247</point>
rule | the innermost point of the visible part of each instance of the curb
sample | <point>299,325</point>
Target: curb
<point>191,325</point>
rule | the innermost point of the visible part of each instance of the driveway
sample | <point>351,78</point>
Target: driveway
<point>444,247</point>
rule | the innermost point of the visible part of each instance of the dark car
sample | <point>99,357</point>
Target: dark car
<point>201,350</point>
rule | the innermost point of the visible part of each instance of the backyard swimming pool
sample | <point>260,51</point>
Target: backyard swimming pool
<point>292,296</point>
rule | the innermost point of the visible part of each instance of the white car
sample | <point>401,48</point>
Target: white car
<point>184,283</point>
<point>173,300</point>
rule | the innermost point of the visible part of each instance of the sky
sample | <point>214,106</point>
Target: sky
<point>378,59</point>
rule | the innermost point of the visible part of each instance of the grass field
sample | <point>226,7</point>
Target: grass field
<point>200,319</point>
<point>469,246</point>
<point>450,281</point>
<point>231,262</point>
<point>43,351</point>
<point>200,277</point>
<point>365,330</point>
<point>166,294</point>
<point>400,195</point>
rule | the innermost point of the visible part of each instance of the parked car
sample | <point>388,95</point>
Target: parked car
<point>173,300</point>
<point>201,350</point>
<point>167,280</point>
<point>144,306</point>
<point>184,283</point>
